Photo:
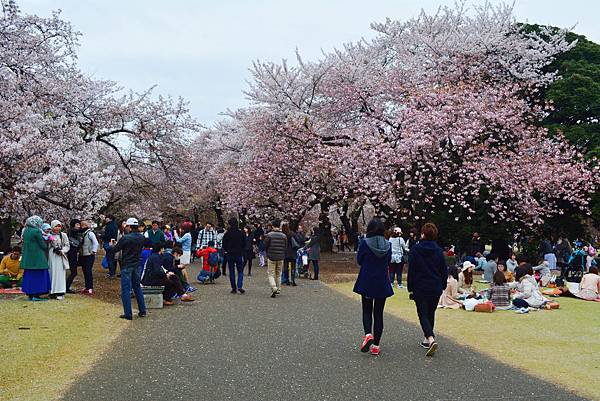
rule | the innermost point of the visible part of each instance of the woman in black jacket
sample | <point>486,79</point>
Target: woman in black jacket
<point>248,249</point>
<point>427,278</point>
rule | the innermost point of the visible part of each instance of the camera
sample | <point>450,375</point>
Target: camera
<point>57,250</point>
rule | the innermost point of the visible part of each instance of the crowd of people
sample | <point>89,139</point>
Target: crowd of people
<point>160,256</point>
<point>155,256</point>
<point>507,282</point>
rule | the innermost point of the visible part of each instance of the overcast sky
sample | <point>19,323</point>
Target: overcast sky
<point>201,49</point>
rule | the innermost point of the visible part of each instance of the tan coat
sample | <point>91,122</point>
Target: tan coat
<point>449,298</point>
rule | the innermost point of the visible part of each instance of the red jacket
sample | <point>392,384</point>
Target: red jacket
<point>203,253</point>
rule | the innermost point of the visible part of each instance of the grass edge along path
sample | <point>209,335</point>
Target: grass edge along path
<point>559,346</point>
<point>52,343</point>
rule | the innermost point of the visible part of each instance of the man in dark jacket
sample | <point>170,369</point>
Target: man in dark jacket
<point>427,278</point>
<point>275,246</point>
<point>110,234</point>
<point>234,243</point>
<point>131,245</point>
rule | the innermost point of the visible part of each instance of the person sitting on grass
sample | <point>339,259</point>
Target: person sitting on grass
<point>507,274</point>
<point>11,273</point>
<point>210,263</point>
<point>465,279</point>
<point>156,275</point>
<point>500,291</point>
<point>545,273</point>
<point>449,298</point>
<point>527,291</point>
<point>489,268</point>
<point>588,289</point>
<point>480,261</point>
<point>512,263</point>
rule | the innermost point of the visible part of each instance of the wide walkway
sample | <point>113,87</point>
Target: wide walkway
<point>299,346</point>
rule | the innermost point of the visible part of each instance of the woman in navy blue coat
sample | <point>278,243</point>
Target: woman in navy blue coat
<point>373,283</point>
<point>427,279</point>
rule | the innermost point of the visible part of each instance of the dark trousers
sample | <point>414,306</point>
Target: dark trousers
<point>73,258</point>
<point>372,309</point>
<point>289,270</point>
<point>235,264</point>
<point>181,277</point>
<point>426,307</point>
<point>110,258</point>
<point>87,264</point>
<point>172,286</point>
<point>520,303</point>
<point>315,264</point>
<point>248,261</point>
<point>396,270</point>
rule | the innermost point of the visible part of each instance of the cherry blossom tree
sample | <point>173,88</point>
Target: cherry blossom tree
<point>438,113</point>
<point>72,146</point>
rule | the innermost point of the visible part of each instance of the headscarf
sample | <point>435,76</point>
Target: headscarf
<point>55,223</point>
<point>35,222</point>
<point>45,226</point>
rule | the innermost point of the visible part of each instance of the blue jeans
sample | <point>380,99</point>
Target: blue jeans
<point>236,263</point>
<point>110,258</point>
<point>130,278</point>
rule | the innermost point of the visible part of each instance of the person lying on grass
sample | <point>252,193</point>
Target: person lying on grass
<point>156,275</point>
<point>588,289</point>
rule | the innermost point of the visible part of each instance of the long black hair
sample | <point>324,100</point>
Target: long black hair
<point>375,228</point>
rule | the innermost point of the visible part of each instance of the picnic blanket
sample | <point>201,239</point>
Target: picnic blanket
<point>10,291</point>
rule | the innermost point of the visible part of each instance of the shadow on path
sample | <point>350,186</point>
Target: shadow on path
<point>300,346</point>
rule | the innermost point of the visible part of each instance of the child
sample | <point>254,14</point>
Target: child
<point>210,263</point>
<point>500,291</point>
<point>545,273</point>
<point>507,274</point>
<point>262,252</point>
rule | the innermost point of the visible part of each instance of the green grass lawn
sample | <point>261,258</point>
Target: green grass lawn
<point>46,344</point>
<point>561,346</point>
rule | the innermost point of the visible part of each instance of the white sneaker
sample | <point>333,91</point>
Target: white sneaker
<point>400,286</point>
<point>60,297</point>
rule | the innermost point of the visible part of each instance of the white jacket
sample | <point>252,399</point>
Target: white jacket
<point>398,248</point>
<point>528,290</point>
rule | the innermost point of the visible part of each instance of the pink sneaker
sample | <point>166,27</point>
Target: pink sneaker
<point>367,342</point>
<point>375,350</point>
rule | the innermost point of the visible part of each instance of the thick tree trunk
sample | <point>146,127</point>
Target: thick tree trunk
<point>219,214</point>
<point>325,228</point>
<point>5,234</point>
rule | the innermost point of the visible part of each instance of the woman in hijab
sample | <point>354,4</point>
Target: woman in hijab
<point>373,283</point>
<point>36,280</point>
<point>57,261</point>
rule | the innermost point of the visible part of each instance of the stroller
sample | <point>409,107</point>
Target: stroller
<point>302,262</point>
<point>575,269</point>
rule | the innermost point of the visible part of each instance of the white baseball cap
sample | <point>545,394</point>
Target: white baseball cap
<point>132,221</point>
<point>398,230</point>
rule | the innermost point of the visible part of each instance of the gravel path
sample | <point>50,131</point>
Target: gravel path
<point>300,346</point>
